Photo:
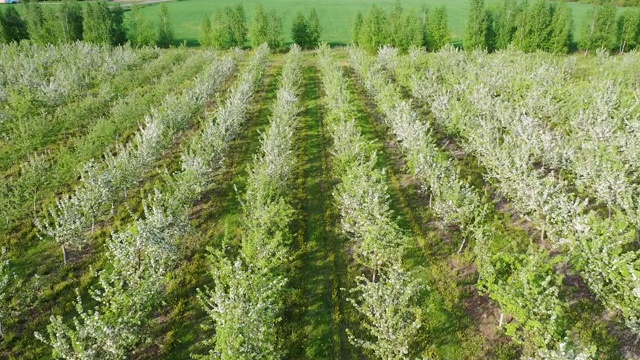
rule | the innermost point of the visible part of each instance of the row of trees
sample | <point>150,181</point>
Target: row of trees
<point>247,300</point>
<point>139,257</point>
<point>615,2</point>
<point>510,145</point>
<point>95,22</point>
<point>539,26</point>
<point>387,294</point>
<point>514,279</point>
<point>227,28</point>
<point>401,29</point>
<point>548,26</point>
<point>103,186</point>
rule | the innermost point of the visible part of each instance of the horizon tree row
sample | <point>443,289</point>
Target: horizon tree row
<point>227,28</point>
<point>95,22</point>
<point>400,28</point>
<point>548,26</point>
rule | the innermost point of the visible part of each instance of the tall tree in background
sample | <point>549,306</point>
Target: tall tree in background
<point>118,31</point>
<point>411,32</point>
<point>70,20</point>
<point>479,31</point>
<point>238,20</point>
<point>561,29</point>
<point>315,29</point>
<point>140,29</point>
<point>14,27</point>
<point>259,30</point>
<point>438,33</point>
<point>205,32</point>
<point>300,30</point>
<point>275,37</point>
<point>97,23</point>
<point>356,29</point>
<point>534,27</point>
<point>38,24</point>
<point>226,29</point>
<point>3,37</point>
<point>506,22</point>
<point>165,29</point>
<point>395,27</point>
<point>600,28</point>
<point>629,30</point>
<point>220,36</point>
<point>374,30</point>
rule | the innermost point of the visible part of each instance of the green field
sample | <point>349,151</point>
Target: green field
<point>335,16</point>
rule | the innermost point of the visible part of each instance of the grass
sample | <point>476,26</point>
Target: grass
<point>323,256</point>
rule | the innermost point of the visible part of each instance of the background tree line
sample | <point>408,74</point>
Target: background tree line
<point>227,28</point>
<point>548,26</point>
<point>401,29</point>
<point>617,2</point>
<point>94,22</point>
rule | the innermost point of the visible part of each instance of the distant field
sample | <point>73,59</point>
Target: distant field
<point>335,16</point>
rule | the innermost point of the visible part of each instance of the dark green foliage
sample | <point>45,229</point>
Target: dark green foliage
<point>629,30</point>
<point>374,30</point>
<point>52,25</point>
<point>118,31</point>
<point>38,26</point>
<point>506,22</point>
<point>12,26</point>
<point>400,28</point>
<point>3,37</point>
<point>438,34</point>
<point>306,31</point>
<point>70,20</point>
<point>534,27</point>
<point>561,29</point>
<point>411,33</point>
<point>600,29</point>
<point>220,35</point>
<point>259,31</point>
<point>300,31</point>
<point>396,24</point>
<point>275,34</point>
<point>314,28</point>
<point>266,28</point>
<point>205,32</point>
<point>97,23</point>
<point>227,28</point>
<point>479,33</point>
<point>140,29</point>
<point>238,25</point>
<point>356,29</point>
<point>165,29</point>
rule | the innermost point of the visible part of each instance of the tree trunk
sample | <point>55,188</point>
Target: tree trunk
<point>1,330</point>
<point>462,245</point>
<point>501,319</point>
<point>64,254</point>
